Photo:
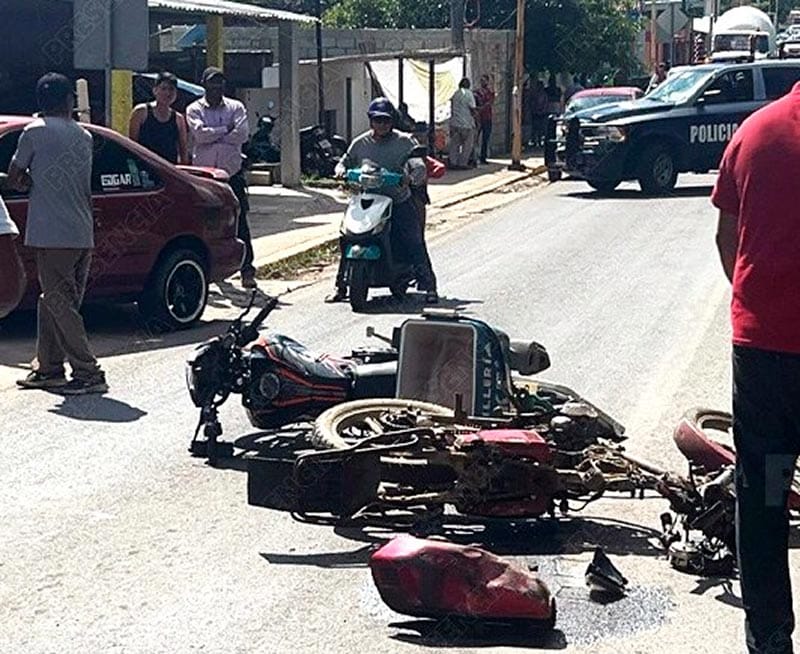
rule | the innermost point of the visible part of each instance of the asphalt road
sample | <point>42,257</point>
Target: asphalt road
<point>112,539</point>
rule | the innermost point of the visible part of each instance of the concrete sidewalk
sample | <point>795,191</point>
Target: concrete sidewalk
<point>285,222</point>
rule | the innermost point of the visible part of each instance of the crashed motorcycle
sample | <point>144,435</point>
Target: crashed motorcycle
<point>281,382</point>
<point>464,435</point>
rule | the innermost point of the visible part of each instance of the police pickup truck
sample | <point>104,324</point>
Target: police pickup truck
<point>682,125</point>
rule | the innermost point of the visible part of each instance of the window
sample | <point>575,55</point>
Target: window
<point>8,146</point>
<point>733,86</point>
<point>117,170</point>
<point>779,81</point>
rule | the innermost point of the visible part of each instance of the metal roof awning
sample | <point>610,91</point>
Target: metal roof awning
<point>228,8</point>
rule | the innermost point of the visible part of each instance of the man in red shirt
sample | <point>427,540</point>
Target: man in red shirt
<point>758,238</point>
<point>484,99</point>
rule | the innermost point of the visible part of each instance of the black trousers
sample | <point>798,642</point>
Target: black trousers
<point>238,183</point>
<point>408,244</point>
<point>766,427</point>
<point>486,136</point>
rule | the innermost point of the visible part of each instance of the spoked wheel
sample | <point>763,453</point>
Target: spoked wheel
<point>345,424</point>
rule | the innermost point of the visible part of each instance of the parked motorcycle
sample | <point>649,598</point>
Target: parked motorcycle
<point>261,148</point>
<point>318,153</point>
<point>281,382</point>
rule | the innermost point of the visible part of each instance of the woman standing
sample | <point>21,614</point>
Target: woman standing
<point>157,126</point>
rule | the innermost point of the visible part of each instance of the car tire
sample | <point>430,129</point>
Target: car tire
<point>657,173</point>
<point>603,185</point>
<point>176,293</point>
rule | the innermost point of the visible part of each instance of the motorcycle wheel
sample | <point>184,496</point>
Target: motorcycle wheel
<point>696,443</point>
<point>344,424</point>
<point>359,285</point>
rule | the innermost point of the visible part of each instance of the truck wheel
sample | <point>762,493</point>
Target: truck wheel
<point>359,284</point>
<point>657,172</point>
<point>176,293</point>
<point>603,185</point>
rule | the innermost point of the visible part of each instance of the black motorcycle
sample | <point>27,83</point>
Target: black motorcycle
<point>281,382</point>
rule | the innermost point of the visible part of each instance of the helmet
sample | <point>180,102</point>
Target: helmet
<point>381,107</point>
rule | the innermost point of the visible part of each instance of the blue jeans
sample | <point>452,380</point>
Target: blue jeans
<point>766,429</point>
<point>486,135</point>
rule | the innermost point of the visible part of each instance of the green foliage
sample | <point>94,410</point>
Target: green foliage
<point>394,14</point>
<point>583,36</point>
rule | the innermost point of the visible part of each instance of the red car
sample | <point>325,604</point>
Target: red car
<point>162,232</point>
<point>602,95</point>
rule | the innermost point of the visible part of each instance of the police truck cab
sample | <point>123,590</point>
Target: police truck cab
<point>683,125</point>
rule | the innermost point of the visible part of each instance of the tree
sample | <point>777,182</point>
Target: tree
<point>582,36</point>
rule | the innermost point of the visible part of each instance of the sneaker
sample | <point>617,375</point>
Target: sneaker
<point>339,295</point>
<point>37,380</point>
<point>85,386</point>
<point>249,281</point>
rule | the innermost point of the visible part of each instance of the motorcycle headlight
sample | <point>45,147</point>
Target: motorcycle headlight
<point>610,133</point>
<point>204,373</point>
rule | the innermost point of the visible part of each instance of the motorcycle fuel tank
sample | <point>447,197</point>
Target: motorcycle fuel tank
<point>514,442</point>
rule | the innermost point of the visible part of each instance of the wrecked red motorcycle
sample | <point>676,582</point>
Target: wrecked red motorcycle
<point>463,435</point>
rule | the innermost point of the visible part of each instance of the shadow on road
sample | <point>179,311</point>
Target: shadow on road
<point>455,632</point>
<point>702,191</point>
<point>413,304</point>
<point>352,559</point>
<point>725,585</point>
<point>97,408</point>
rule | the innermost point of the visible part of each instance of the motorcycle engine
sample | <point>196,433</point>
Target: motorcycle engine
<point>575,427</point>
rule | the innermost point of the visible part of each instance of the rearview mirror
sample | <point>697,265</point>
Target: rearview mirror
<point>527,357</point>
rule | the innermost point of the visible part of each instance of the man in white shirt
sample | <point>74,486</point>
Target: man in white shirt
<point>462,126</point>
<point>12,274</point>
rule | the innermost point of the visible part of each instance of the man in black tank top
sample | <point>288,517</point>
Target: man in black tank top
<point>157,126</point>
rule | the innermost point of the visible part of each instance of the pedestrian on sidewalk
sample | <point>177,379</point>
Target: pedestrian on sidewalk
<point>391,149</point>
<point>463,115</point>
<point>554,105</point>
<point>219,127</point>
<point>539,108</point>
<point>157,126</point>
<point>484,97</point>
<point>758,238</point>
<point>53,161</point>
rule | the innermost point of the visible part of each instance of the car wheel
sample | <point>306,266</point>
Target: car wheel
<point>603,185</point>
<point>657,172</point>
<point>176,293</point>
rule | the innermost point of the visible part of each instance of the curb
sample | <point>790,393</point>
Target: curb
<point>321,241</point>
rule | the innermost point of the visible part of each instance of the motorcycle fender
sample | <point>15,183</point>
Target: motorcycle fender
<point>364,252</point>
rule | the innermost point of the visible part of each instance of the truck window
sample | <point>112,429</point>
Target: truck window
<point>779,81</point>
<point>733,86</point>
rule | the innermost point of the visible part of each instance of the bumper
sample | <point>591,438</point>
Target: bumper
<point>226,258</point>
<point>571,152</point>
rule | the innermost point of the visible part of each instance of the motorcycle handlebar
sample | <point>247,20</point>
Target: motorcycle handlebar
<point>250,332</point>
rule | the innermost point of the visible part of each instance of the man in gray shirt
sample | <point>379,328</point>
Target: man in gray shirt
<point>387,148</point>
<point>54,161</point>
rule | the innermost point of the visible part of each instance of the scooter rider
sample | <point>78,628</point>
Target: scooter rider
<point>391,149</point>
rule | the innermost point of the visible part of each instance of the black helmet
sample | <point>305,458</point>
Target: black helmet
<point>381,107</point>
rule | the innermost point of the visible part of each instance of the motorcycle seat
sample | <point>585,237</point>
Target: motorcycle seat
<point>308,363</point>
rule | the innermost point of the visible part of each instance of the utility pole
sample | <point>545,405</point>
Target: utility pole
<point>519,53</point>
<point>320,74</point>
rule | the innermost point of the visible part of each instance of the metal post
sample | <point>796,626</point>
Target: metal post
<point>672,33</point>
<point>653,35</point>
<point>400,82</point>
<point>519,53</point>
<point>457,24</point>
<point>107,61</point>
<point>320,73</point>
<point>431,107</point>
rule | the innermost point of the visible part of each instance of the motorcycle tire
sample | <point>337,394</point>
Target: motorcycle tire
<point>695,443</point>
<point>331,423</point>
<point>359,285</point>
